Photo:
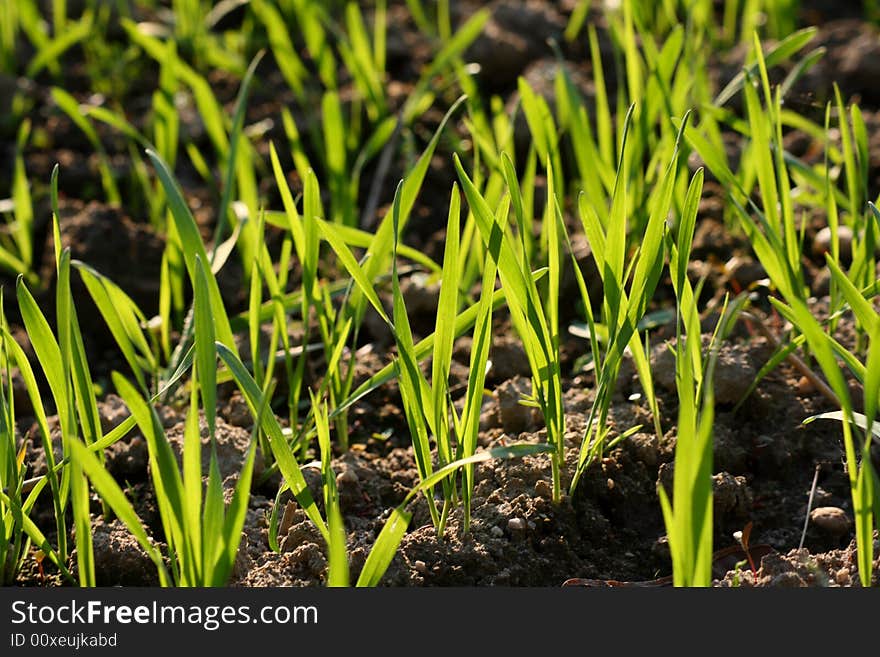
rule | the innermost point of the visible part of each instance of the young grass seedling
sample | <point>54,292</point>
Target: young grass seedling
<point>14,540</point>
<point>688,516</point>
<point>622,309</point>
<point>536,324</point>
<point>16,248</point>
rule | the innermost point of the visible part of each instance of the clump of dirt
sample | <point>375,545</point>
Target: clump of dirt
<point>516,34</point>
<point>230,446</point>
<point>800,568</point>
<point>113,244</point>
<point>119,559</point>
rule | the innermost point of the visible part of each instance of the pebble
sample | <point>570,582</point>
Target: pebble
<point>822,241</point>
<point>420,296</point>
<point>745,271</point>
<point>496,531</point>
<point>805,386</point>
<point>516,525</point>
<point>831,519</point>
<point>660,548</point>
<point>821,497</point>
<point>346,478</point>
<point>421,567</point>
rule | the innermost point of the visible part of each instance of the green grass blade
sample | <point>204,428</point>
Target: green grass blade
<point>463,322</point>
<point>23,207</point>
<point>337,574</point>
<point>516,450</point>
<point>69,105</point>
<point>234,136</point>
<point>782,51</point>
<point>167,481</point>
<point>282,452</point>
<point>289,62</point>
<point>447,309</point>
<point>450,51</point>
<point>414,179</point>
<point>362,239</point>
<point>49,52</point>
<point>37,537</point>
<point>206,354</point>
<point>822,351</point>
<point>213,546</point>
<point>872,380</point>
<point>384,548</point>
<point>120,319</point>
<point>414,390</point>
<point>357,273</point>
<point>858,419</point>
<point>48,353</point>
<point>191,521</point>
<point>863,310</point>
<point>236,514</point>
<point>85,555</point>
<point>192,247</point>
<point>481,345</point>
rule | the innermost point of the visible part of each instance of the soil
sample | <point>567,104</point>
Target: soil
<point>610,531</point>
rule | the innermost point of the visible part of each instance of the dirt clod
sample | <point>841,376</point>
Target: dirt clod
<point>514,416</point>
<point>119,560</point>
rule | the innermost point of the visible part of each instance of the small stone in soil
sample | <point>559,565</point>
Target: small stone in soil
<point>744,271</point>
<point>830,519</point>
<point>821,497</point>
<point>516,525</point>
<point>346,478</point>
<point>734,371</point>
<point>509,359</point>
<point>660,548</point>
<point>822,242</point>
<point>805,386</point>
